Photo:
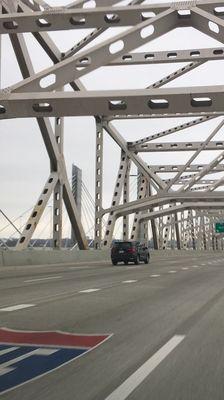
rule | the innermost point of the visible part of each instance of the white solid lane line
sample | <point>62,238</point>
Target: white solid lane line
<point>89,290</point>
<point>154,276</point>
<point>131,383</point>
<point>17,307</point>
<point>43,279</point>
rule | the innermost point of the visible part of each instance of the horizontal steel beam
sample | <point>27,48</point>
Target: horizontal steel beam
<point>174,146</point>
<point>182,207</point>
<point>201,182</point>
<point>81,3</point>
<point>60,18</point>
<point>101,54</point>
<point>177,168</point>
<point>63,18</point>
<point>170,56</point>
<point>207,100</point>
<point>162,199</point>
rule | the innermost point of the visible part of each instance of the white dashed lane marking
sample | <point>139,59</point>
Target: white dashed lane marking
<point>172,272</point>
<point>89,290</point>
<point>16,307</point>
<point>184,268</point>
<point>43,279</point>
<point>130,281</point>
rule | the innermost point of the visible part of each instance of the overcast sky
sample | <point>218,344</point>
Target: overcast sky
<point>24,163</point>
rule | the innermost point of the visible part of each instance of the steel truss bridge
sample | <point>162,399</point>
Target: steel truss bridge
<point>181,209</point>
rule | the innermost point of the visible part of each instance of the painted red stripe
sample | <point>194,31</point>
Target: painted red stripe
<point>50,338</point>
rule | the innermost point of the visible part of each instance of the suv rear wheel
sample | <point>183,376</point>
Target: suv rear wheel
<point>137,260</point>
<point>114,262</point>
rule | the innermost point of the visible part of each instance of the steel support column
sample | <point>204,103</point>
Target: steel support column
<point>126,199</point>
<point>116,197</point>
<point>58,190</point>
<point>98,184</point>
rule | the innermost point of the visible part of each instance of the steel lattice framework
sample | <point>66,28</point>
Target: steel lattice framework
<point>181,209</point>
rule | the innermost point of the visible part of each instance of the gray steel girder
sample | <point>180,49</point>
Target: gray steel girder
<point>183,207</point>
<point>74,67</point>
<point>60,18</point>
<point>174,146</point>
<point>142,166</point>
<point>177,168</point>
<point>170,56</point>
<point>203,146</point>
<point>56,159</point>
<point>207,100</point>
<point>175,129</point>
<point>165,198</point>
<point>201,182</point>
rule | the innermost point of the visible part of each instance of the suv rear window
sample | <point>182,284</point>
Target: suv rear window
<point>122,245</point>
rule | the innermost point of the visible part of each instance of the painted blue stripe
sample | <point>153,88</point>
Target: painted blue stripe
<point>35,366</point>
<point>4,346</point>
<point>16,353</point>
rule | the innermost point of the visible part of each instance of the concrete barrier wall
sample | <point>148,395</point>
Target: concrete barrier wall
<point>48,257</point>
<point>40,257</point>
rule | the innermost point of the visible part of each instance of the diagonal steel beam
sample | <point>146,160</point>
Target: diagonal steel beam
<point>37,212</point>
<point>119,187</point>
<point>172,130</point>
<point>203,172</point>
<point>57,160</point>
<point>143,168</point>
<point>193,157</point>
<point>36,4</point>
<point>215,185</point>
<point>71,69</point>
<point>208,23</point>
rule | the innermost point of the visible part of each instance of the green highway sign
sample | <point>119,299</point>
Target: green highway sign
<point>219,227</point>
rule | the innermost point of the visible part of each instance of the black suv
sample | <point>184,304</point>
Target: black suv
<point>129,251</point>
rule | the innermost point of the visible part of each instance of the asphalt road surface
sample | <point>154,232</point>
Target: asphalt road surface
<point>158,331</point>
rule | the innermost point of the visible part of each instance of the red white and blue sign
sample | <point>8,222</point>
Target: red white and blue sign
<point>26,355</point>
